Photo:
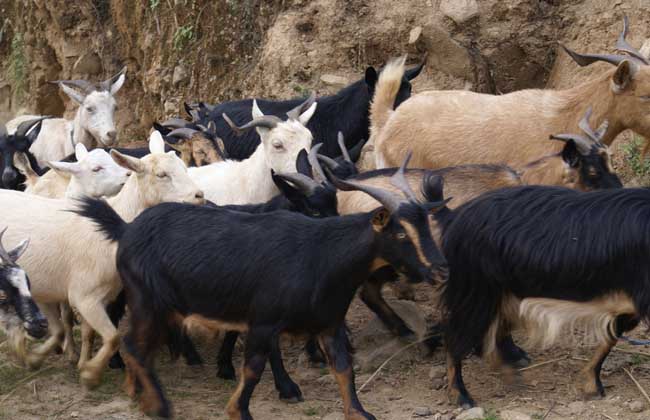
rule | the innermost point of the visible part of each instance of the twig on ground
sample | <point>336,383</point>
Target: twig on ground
<point>549,410</point>
<point>22,381</point>
<point>640,353</point>
<point>638,385</point>
<point>543,363</point>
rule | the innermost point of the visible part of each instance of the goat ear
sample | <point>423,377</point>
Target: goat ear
<point>73,94</point>
<point>80,152</point>
<point>32,135</point>
<point>380,218</point>
<point>64,168</point>
<point>415,71</point>
<point>257,112</point>
<point>570,154</point>
<point>306,116</point>
<point>18,251</point>
<point>302,164</point>
<point>156,142</point>
<point>118,83</point>
<point>128,162</point>
<point>432,187</point>
<point>623,76</point>
<point>371,78</point>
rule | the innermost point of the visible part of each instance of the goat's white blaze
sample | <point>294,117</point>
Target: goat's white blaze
<point>18,279</point>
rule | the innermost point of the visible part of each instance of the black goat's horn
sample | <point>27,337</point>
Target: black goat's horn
<point>265,121</point>
<point>297,111</point>
<point>344,150</point>
<point>25,126</point>
<point>328,161</point>
<point>399,180</point>
<point>387,199</point>
<point>303,182</point>
<point>312,157</point>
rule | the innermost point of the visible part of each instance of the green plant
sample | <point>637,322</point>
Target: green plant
<point>490,415</point>
<point>311,411</point>
<point>183,35</point>
<point>634,157</point>
<point>18,65</point>
<point>153,5</point>
<point>638,359</point>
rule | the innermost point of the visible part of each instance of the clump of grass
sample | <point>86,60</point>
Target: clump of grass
<point>183,36</point>
<point>634,159</point>
<point>18,65</point>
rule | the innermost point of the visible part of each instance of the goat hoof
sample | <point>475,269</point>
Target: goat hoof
<point>360,415</point>
<point>227,373</point>
<point>116,362</point>
<point>291,394</point>
<point>433,343</point>
<point>465,402</point>
<point>89,379</point>
<point>163,411</point>
<point>34,363</point>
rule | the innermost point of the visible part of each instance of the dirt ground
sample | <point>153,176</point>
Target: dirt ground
<point>402,390</point>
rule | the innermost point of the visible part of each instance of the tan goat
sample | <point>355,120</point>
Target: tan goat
<point>448,128</point>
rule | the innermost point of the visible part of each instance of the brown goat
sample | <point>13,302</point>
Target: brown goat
<point>447,128</point>
<point>195,147</point>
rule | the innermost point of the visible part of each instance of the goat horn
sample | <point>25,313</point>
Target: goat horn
<point>584,125</point>
<point>106,84</point>
<point>399,180</point>
<point>312,157</point>
<point>3,252</point>
<point>355,152</point>
<point>587,59</point>
<point>212,128</point>
<point>294,113</point>
<point>600,132</point>
<point>84,85</point>
<point>25,126</point>
<point>328,161</point>
<point>623,45</point>
<point>386,198</point>
<point>184,133</point>
<point>344,149</point>
<point>582,143</point>
<point>303,182</point>
<point>266,121</point>
<point>175,123</point>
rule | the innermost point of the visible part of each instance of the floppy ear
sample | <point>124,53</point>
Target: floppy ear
<point>306,116</point>
<point>570,154</point>
<point>415,71</point>
<point>623,76</point>
<point>18,251</point>
<point>371,78</point>
<point>156,142</point>
<point>72,94</point>
<point>128,162</point>
<point>302,164</point>
<point>161,128</point>
<point>380,218</point>
<point>118,83</point>
<point>80,152</point>
<point>432,187</point>
<point>32,135</point>
<point>63,168</point>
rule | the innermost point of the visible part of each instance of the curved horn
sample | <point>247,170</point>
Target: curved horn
<point>295,112</point>
<point>212,128</point>
<point>106,84</point>
<point>175,123</point>
<point>600,131</point>
<point>587,59</point>
<point>312,157</point>
<point>623,45</point>
<point>84,85</point>
<point>328,161</point>
<point>584,125</point>
<point>303,182</point>
<point>583,144</point>
<point>184,133</point>
<point>387,199</point>
<point>25,126</point>
<point>399,180</point>
<point>344,150</point>
<point>3,252</point>
<point>266,121</point>
<point>355,152</point>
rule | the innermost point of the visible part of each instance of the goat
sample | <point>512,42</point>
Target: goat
<point>196,147</point>
<point>346,111</point>
<point>551,259</point>
<point>93,123</point>
<point>248,181</point>
<point>94,174</point>
<point>447,128</point>
<point>18,312</point>
<point>80,269</point>
<point>18,142</point>
<point>291,283</point>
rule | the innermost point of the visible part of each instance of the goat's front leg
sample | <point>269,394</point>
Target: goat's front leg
<point>333,345</point>
<point>456,386</point>
<point>257,349</point>
<point>288,389</point>
<point>87,342</point>
<point>37,355</point>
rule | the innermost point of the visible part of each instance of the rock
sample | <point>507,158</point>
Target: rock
<point>445,54</point>
<point>422,412</point>
<point>459,10</point>
<point>637,406</point>
<point>476,413</point>
<point>513,415</point>
<point>180,76</point>
<point>334,80</point>
<point>88,63</point>
<point>414,35</point>
<point>437,372</point>
<point>577,407</point>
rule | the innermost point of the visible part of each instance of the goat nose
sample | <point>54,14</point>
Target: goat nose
<point>112,134</point>
<point>199,195</point>
<point>128,173</point>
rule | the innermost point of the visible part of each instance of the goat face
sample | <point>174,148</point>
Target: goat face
<point>16,304</point>
<point>19,142</point>
<point>95,173</point>
<point>590,170</point>
<point>160,176</point>
<point>631,87</point>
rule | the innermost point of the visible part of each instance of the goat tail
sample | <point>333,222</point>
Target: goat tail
<point>549,320</point>
<point>102,214</point>
<point>21,162</point>
<point>390,80</point>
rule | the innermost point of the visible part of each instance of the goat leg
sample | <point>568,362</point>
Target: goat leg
<point>288,389</point>
<point>116,310</point>
<point>334,346</point>
<point>511,353</point>
<point>456,386</point>
<point>225,368</point>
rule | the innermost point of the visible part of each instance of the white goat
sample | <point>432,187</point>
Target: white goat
<point>93,123</point>
<point>249,181</point>
<point>94,174</point>
<point>70,261</point>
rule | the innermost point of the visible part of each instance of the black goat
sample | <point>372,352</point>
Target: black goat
<point>550,258</point>
<point>18,142</point>
<point>299,276</point>
<point>347,112</point>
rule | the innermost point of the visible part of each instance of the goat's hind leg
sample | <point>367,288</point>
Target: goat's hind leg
<point>225,368</point>
<point>456,386</point>
<point>288,390</point>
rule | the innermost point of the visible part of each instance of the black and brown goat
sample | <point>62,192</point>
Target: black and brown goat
<point>18,142</point>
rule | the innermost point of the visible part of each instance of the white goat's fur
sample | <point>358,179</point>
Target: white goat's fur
<point>70,261</point>
<point>249,181</point>
<point>93,124</point>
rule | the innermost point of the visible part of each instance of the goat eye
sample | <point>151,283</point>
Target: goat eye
<point>90,109</point>
<point>401,235</point>
<point>97,169</point>
<point>161,175</point>
<point>278,145</point>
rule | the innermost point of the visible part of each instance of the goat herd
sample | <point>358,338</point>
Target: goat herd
<point>273,230</point>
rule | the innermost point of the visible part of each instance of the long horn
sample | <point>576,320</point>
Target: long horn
<point>294,113</point>
<point>600,131</point>
<point>587,59</point>
<point>84,85</point>
<point>303,182</point>
<point>184,133</point>
<point>584,125</point>
<point>344,150</point>
<point>399,180</point>
<point>328,161</point>
<point>25,126</point>
<point>106,84</point>
<point>355,152</point>
<point>312,157</point>
<point>389,200</point>
<point>622,44</point>
<point>266,121</point>
<point>3,252</point>
<point>582,143</point>
<point>175,123</point>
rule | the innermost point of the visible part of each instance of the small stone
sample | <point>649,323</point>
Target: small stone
<point>422,411</point>
<point>577,407</point>
<point>437,372</point>
<point>459,10</point>
<point>637,406</point>
<point>414,35</point>
<point>74,414</point>
<point>180,76</point>
<point>476,413</point>
<point>513,415</point>
<point>334,80</point>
